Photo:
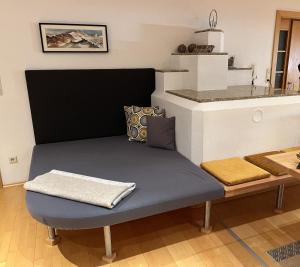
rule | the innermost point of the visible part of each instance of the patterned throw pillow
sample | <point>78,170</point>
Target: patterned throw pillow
<point>136,118</point>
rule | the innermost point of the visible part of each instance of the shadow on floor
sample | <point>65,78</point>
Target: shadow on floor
<point>153,235</point>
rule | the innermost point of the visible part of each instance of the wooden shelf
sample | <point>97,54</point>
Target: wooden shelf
<point>200,54</point>
<point>236,68</point>
<point>170,70</point>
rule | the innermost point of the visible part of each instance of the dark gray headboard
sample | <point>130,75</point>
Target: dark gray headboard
<point>79,104</point>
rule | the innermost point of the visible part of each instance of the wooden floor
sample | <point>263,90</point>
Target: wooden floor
<point>170,239</point>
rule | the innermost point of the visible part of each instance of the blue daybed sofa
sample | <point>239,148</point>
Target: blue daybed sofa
<point>80,127</point>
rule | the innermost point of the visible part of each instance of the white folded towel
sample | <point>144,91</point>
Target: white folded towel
<point>91,190</point>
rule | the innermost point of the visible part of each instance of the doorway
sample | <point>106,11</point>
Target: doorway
<point>285,73</point>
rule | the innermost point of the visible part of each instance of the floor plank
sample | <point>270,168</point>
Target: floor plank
<point>170,239</point>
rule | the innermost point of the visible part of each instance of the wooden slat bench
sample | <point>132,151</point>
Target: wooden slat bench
<point>242,188</point>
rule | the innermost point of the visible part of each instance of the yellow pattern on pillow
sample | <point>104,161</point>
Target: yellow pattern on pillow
<point>136,118</point>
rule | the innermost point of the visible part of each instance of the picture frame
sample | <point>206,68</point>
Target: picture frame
<point>73,38</point>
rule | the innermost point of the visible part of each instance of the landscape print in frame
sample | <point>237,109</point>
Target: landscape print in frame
<point>73,38</point>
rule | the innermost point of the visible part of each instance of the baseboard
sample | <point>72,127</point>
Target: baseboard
<point>12,185</point>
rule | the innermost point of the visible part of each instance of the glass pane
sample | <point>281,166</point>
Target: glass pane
<point>283,40</point>
<point>280,61</point>
<point>278,80</point>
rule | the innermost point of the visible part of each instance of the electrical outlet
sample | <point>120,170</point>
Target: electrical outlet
<point>13,160</point>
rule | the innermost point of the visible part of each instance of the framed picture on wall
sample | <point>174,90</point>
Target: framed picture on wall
<point>73,38</point>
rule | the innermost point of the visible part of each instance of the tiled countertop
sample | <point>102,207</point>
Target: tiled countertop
<point>232,93</point>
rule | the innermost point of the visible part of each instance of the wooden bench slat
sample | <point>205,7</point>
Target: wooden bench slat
<point>231,191</point>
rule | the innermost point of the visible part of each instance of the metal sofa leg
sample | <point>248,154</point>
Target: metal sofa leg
<point>279,200</point>
<point>53,239</point>
<point>207,228</point>
<point>109,254</point>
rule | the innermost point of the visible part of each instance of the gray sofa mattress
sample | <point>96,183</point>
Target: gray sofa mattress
<point>165,181</point>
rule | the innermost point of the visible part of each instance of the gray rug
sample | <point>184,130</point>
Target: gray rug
<point>288,255</point>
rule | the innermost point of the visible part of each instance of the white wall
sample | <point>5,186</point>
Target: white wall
<point>233,132</point>
<point>141,33</point>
